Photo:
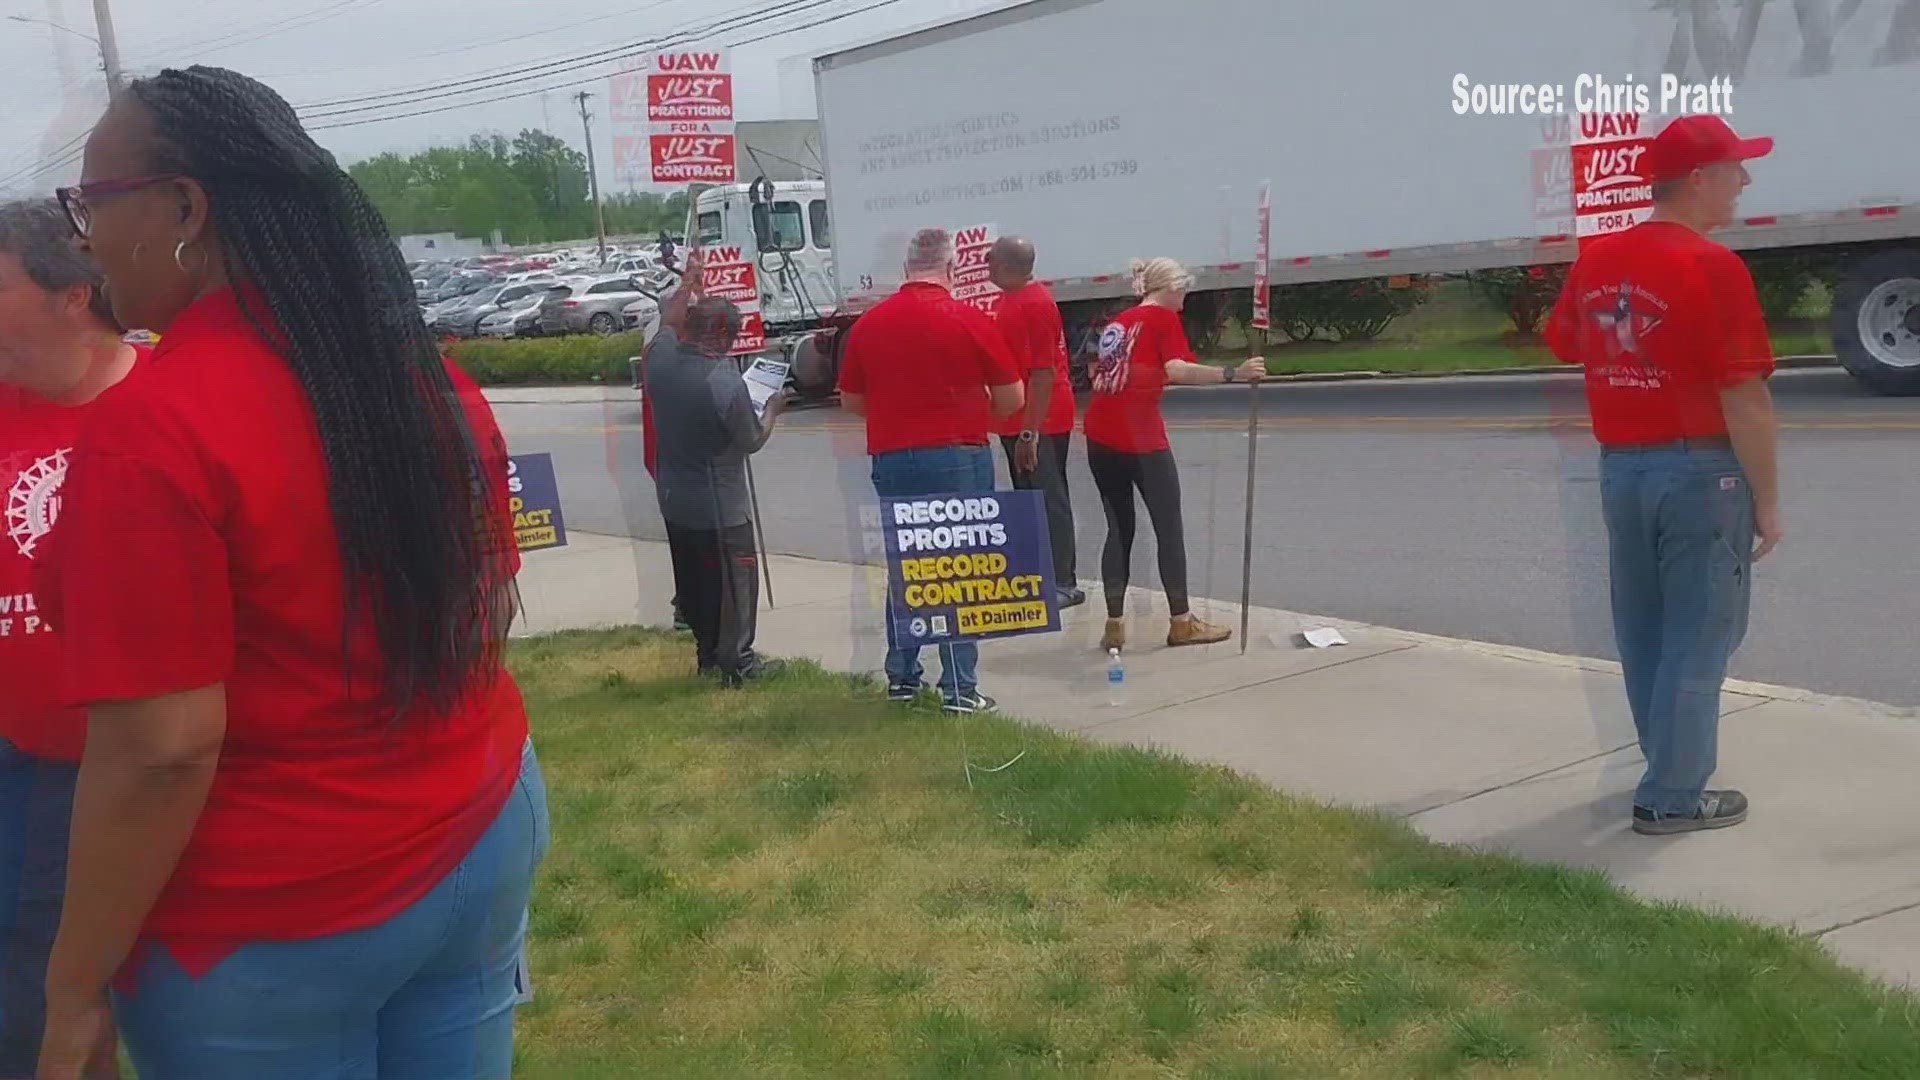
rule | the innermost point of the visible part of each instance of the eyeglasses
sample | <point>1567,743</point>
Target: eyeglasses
<point>78,200</point>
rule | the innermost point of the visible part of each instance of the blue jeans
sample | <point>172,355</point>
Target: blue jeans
<point>427,995</point>
<point>946,470</point>
<point>1680,530</point>
<point>36,809</point>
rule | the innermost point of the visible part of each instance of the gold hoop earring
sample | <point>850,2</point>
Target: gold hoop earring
<point>179,249</point>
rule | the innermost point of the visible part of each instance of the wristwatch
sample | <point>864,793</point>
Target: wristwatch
<point>1029,435</point>
<point>1229,377</point>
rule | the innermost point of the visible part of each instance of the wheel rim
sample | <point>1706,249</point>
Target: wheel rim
<point>1889,323</point>
<point>601,324</point>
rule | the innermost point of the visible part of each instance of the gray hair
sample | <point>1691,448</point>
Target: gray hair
<point>929,251</point>
<point>37,232</point>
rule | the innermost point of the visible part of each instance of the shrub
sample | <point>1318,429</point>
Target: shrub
<point>1357,310</point>
<point>521,361</point>
<point>1526,293</point>
<point>1781,278</point>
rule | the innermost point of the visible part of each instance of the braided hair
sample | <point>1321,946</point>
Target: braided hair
<point>319,277</point>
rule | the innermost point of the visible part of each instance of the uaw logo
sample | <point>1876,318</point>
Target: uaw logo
<point>33,503</point>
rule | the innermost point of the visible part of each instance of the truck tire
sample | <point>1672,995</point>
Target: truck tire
<point>1876,322</point>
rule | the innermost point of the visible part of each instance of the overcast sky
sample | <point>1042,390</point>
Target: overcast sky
<point>316,51</point>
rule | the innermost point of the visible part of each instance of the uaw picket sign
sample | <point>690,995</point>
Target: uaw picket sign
<point>968,567</point>
<point>533,495</point>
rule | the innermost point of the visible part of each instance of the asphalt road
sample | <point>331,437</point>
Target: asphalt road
<point>1466,508</point>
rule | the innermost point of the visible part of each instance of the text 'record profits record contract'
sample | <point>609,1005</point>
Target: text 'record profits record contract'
<point>534,497</point>
<point>968,567</point>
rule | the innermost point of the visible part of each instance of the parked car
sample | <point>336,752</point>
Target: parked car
<point>592,306</point>
<point>521,318</point>
<point>458,285</point>
<point>465,320</point>
<point>642,315</point>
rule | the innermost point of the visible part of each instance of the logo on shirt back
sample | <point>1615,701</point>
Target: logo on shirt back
<point>1629,315</point>
<point>33,503</point>
<point>1110,369</point>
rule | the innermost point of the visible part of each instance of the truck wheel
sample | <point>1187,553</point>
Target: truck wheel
<point>1876,322</point>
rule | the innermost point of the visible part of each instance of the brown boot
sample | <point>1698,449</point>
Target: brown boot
<point>1115,636</point>
<point>1187,630</point>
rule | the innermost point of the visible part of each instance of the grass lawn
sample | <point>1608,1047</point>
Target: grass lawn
<point>797,881</point>
<point>1456,331</point>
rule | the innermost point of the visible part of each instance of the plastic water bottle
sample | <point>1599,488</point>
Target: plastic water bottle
<point>1116,679</point>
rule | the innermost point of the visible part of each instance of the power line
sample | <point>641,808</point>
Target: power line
<point>231,38</point>
<point>636,47</point>
<point>559,67</point>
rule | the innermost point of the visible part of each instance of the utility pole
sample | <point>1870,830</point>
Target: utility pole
<point>593,176</point>
<point>109,48</point>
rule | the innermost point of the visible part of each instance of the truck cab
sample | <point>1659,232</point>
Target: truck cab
<point>792,249</point>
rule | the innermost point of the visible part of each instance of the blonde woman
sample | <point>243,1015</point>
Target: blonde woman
<point>1142,351</point>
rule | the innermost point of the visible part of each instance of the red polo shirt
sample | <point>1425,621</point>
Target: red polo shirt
<point>1030,321</point>
<point>1663,319</point>
<point>924,360</point>
<point>196,547</point>
<point>1131,375</point>
<point>36,441</point>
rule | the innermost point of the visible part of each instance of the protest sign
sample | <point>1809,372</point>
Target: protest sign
<point>968,567</point>
<point>1611,190</point>
<point>971,282</point>
<point>533,495</point>
<point>728,274</point>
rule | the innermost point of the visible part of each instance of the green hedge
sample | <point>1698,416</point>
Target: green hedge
<point>581,358</point>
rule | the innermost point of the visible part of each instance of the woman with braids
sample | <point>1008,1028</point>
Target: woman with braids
<point>307,814</point>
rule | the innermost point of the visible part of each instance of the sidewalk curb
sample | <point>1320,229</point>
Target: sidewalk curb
<point>626,395</point>
<point>1568,661</point>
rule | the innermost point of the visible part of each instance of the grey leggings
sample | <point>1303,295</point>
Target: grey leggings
<point>1117,474</point>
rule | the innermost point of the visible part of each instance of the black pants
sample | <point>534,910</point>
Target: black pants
<point>1050,478</point>
<point>717,574</point>
<point>1118,474</point>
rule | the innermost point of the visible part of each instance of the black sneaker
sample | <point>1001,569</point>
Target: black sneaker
<point>904,693</point>
<point>1716,810</point>
<point>971,702</point>
<point>1071,597</point>
<point>760,671</point>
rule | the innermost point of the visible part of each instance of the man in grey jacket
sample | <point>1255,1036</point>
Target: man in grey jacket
<point>706,426</point>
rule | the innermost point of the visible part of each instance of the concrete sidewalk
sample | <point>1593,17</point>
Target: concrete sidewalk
<point>1486,746</point>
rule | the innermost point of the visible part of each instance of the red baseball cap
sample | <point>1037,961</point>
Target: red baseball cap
<point>1694,142</point>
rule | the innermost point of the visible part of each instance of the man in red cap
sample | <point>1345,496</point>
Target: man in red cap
<point>1669,329</point>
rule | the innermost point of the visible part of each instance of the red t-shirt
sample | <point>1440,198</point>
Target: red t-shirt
<point>196,547</point>
<point>924,361</point>
<point>1130,376</point>
<point>36,439</point>
<point>1663,320</point>
<point>1030,321</point>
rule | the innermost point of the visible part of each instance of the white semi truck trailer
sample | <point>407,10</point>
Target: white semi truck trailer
<point>1112,129</point>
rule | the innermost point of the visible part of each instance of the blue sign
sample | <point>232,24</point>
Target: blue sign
<point>534,497</point>
<point>968,567</point>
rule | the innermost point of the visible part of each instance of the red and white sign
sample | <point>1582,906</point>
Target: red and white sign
<point>727,273</point>
<point>1611,189</point>
<point>673,118</point>
<point>971,281</point>
<point>707,98</point>
<point>632,158</point>
<point>627,98</point>
<point>689,159</point>
<point>1263,261</point>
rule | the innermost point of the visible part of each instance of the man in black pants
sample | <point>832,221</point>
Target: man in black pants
<point>707,427</point>
<point>1037,439</point>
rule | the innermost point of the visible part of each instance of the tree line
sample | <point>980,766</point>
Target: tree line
<point>533,188</point>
